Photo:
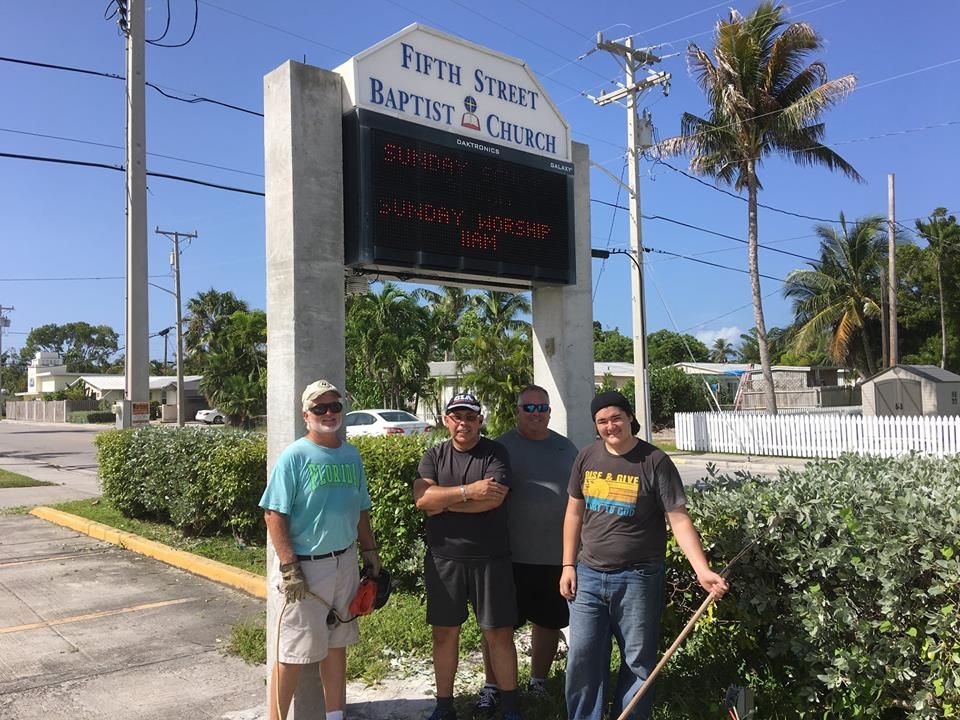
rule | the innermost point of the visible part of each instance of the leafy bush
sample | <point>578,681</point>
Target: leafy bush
<point>91,416</point>
<point>391,467</point>
<point>200,481</point>
<point>848,609</point>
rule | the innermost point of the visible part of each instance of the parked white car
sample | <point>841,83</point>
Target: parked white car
<point>384,422</point>
<point>210,417</point>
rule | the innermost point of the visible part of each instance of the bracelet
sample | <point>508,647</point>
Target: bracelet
<point>573,565</point>
<point>463,493</point>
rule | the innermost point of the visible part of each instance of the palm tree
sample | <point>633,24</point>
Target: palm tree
<point>446,308</point>
<point>235,373</point>
<point>495,354</point>
<point>943,237</point>
<point>840,293</point>
<point>207,313</point>
<point>763,99</point>
<point>387,344</point>
<point>721,351</point>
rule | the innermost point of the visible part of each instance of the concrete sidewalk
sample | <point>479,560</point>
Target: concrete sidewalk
<point>756,464</point>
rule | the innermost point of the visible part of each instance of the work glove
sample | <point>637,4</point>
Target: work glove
<point>292,583</point>
<point>371,559</point>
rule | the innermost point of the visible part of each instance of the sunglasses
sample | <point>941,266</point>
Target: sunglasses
<point>322,408</point>
<point>536,407</point>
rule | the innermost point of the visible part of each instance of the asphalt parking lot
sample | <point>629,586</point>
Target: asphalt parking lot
<point>89,630</point>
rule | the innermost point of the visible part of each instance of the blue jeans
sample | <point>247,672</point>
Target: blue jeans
<point>625,605</point>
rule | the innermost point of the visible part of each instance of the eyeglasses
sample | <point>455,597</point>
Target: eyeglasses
<point>322,408</point>
<point>536,407</point>
<point>464,418</point>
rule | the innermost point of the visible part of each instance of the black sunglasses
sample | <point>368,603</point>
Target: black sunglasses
<point>322,408</point>
<point>538,407</point>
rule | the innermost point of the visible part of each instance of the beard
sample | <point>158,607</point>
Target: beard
<point>318,427</point>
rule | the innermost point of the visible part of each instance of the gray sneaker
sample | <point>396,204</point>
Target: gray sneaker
<point>536,689</point>
<point>487,702</point>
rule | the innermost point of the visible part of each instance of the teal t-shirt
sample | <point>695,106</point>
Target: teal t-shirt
<point>322,491</point>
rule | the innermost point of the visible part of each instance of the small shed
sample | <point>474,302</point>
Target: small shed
<point>912,390</point>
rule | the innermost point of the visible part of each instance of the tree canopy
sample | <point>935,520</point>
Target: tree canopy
<point>84,347</point>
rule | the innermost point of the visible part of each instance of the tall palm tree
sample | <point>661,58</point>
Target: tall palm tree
<point>495,354</point>
<point>763,99</point>
<point>446,307</point>
<point>840,293</point>
<point>943,238</point>
<point>721,351</point>
<point>207,312</point>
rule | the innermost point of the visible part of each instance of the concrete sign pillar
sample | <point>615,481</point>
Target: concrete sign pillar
<point>305,308</point>
<point>563,327</point>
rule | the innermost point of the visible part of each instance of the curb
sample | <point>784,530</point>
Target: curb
<point>733,464</point>
<point>249,582</point>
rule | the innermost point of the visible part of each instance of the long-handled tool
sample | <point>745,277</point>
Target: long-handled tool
<point>648,683</point>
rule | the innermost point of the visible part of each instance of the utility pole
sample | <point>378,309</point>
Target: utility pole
<point>137,384</point>
<point>639,136</point>
<point>4,323</point>
<point>884,322</point>
<point>175,261</point>
<point>892,270</point>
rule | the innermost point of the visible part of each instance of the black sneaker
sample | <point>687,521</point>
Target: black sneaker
<point>448,714</point>
<point>512,715</point>
<point>487,702</point>
<point>536,689</point>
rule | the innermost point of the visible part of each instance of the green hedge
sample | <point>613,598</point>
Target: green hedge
<point>91,416</point>
<point>846,610</point>
<point>200,481</point>
<point>203,481</point>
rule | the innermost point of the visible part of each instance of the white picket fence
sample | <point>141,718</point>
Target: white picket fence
<point>816,435</point>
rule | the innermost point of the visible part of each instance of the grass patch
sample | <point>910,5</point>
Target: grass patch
<point>390,636</point>
<point>16,480</point>
<point>248,640</point>
<point>222,548</point>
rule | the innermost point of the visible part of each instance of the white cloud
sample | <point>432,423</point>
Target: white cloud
<point>731,334</point>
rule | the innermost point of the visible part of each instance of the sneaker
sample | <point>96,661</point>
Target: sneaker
<point>448,714</point>
<point>512,716</point>
<point>487,702</point>
<point>536,689</point>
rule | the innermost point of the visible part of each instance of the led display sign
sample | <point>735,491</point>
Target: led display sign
<point>422,203</point>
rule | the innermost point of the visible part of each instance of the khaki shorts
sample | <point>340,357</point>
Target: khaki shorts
<point>305,636</point>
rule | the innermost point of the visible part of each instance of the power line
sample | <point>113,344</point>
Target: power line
<point>105,166</point>
<point>196,17</point>
<point>728,313</point>
<point>706,262</point>
<point>120,147</point>
<point>707,231</point>
<point>114,76</point>
<point>62,279</point>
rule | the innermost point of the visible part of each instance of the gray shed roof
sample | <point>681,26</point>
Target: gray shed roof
<point>927,372</point>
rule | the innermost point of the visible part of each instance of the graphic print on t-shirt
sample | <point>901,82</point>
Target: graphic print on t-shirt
<point>332,474</point>
<point>609,493</point>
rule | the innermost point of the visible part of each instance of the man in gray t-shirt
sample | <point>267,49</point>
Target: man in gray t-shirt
<point>540,462</point>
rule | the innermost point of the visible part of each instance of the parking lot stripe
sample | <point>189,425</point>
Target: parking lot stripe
<point>49,558</point>
<point>94,616</point>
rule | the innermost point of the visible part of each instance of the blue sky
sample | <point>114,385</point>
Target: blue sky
<point>61,222</point>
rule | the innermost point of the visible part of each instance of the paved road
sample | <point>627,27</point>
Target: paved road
<point>88,630</point>
<point>65,446</point>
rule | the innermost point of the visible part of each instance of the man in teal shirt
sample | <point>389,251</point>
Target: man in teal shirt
<point>316,507</point>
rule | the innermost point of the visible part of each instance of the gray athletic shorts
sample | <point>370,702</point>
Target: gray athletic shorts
<point>305,636</point>
<point>486,583</point>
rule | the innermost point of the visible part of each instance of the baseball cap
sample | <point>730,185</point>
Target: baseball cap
<point>613,398</point>
<point>317,387</point>
<point>467,401</point>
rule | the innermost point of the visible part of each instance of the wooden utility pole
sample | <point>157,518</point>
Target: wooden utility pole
<point>892,270</point>
<point>637,127</point>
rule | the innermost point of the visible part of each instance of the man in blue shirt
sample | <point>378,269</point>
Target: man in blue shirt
<point>316,507</point>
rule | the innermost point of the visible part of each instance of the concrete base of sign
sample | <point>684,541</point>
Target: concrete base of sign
<point>563,327</point>
<point>304,219</point>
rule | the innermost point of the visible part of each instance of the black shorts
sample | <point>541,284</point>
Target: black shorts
<point>538,596</point>
<point>487,584</point>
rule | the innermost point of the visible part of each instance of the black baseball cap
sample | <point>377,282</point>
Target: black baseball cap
<point>467,401</point>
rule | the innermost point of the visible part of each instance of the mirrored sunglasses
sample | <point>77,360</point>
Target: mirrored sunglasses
<point>322,408</point>
<point>536,407</point>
